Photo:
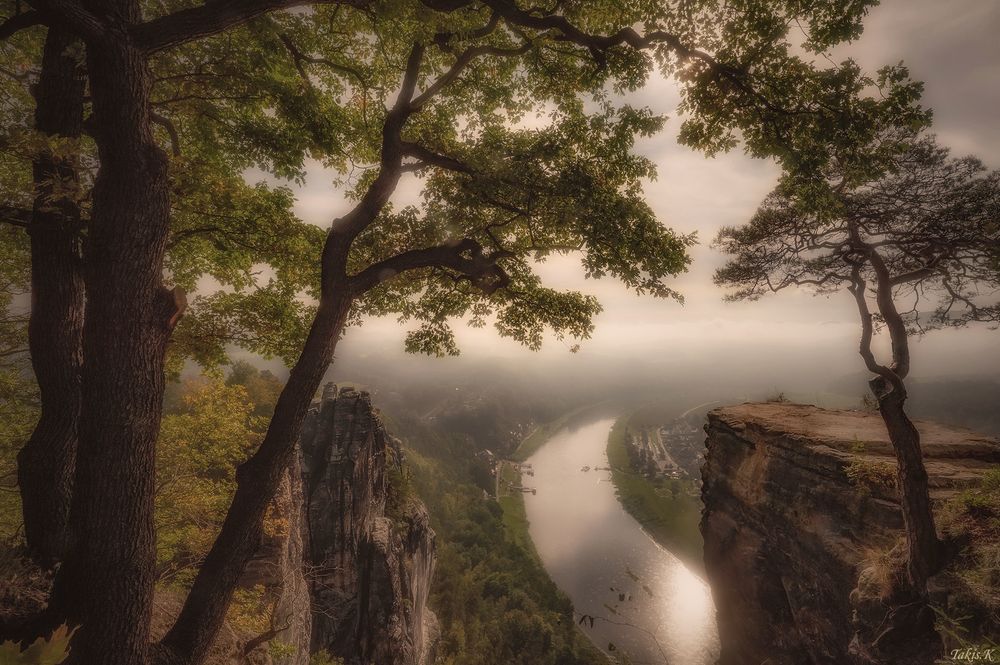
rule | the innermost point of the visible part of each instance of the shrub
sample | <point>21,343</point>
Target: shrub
<point>43,651</point>
<point>868,475</point>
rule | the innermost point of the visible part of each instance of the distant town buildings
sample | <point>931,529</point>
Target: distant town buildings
<point>675,450</point>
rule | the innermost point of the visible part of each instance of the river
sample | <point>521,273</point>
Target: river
<point>643,599</point>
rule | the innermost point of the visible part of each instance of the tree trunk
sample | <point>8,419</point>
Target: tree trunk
<point>189,639</point>
<point>918,517</point>
<point>55,329</point>
<point>106,583</point>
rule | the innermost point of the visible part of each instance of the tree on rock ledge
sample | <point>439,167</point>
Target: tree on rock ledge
<point>917,244</point>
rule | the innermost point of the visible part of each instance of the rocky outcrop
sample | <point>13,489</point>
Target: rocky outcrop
<point>796,510</point>
<point>370,549</point>
<point>347,555</point>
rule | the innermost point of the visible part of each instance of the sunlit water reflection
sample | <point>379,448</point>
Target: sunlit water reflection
<point>644,600</point>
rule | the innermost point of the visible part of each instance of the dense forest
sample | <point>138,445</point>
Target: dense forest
<point>495,601</point>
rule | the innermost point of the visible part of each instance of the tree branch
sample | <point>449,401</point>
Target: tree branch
<point>465,257</point>
<point>599,44</point>
<point>858,289</point>
<point>390,166</point>
<point>893,321</point>
<point>299,57</point>
<point>168,125</point>
<point>74,16</point>
<point>461,62</point>
<point>15,216</point>
<point>918,274</point>
<point>428,157</point>
<point>265,637</point>
<point>211,18</point>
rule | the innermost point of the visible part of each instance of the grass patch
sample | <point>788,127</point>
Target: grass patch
<point>515,517</point>
<point>666,508</point>
<point>970,522</point>
<point>974,517</point>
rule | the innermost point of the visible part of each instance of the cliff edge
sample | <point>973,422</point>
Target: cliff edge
<point>369,546</point>
<point>799,503</point>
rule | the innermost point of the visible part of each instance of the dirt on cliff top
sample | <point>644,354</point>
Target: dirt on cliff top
<point>954,456</point>
<point>843,430</point>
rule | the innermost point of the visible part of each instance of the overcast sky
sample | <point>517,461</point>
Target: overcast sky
<point>951,45</point>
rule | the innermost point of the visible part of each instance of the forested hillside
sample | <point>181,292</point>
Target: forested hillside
<point>495,602</point>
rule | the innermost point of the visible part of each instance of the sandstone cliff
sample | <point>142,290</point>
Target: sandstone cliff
<point>370,549</point>
<point>798,504</point>
<point>347,556</point>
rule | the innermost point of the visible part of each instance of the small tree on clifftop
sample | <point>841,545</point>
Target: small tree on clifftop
<point>917,246</point>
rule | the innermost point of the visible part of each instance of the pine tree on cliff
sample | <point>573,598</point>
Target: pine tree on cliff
<point>913,235</point>
<point>437,88</point>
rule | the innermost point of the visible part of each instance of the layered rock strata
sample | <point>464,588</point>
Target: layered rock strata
<point>794,515</point>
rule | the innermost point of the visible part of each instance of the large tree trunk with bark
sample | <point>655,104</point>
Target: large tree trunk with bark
<point>204,611</point>
<point>55,330</point>
<point>923,545</point>
<point>106,583</point>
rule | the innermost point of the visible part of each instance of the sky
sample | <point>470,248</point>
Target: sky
<point>951,45</point>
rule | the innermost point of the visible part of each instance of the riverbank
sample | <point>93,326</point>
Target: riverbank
<point>668,509</point>
<point>543,432</point>
<point>515,519</point>
<point>516,526</point>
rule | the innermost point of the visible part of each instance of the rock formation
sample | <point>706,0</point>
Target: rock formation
<point>370,549</point>
<point>347,556</point>
<point>793,512</point>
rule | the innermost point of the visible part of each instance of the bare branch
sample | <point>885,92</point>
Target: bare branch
<point>918,274</point>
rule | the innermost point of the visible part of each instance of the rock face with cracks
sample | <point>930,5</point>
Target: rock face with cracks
<point>347,558</point>
<point>369,571</point>
<point>797,501</point>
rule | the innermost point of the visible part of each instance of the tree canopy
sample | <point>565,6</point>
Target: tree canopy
<point>286,88</point>
<point>928,230</point>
